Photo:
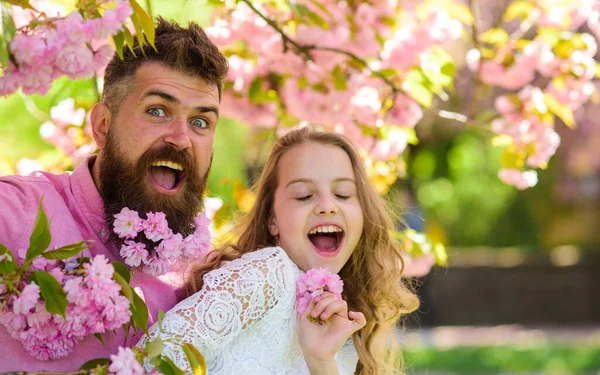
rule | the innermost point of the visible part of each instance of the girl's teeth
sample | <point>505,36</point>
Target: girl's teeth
<point>325,229</point>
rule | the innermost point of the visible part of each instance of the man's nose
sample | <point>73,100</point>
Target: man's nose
<point>178,135</point>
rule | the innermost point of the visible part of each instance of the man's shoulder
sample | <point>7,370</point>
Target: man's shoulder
<point>20,197</point>
<point>35,184</point>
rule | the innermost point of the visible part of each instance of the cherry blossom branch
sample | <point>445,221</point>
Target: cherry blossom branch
<point>305,50</point>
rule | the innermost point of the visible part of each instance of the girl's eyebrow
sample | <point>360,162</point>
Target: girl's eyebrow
<point>310,181</point>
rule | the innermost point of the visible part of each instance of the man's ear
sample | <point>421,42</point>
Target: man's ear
<point>100,118</point>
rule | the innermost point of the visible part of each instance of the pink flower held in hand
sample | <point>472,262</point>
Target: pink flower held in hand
<point>127,223</point>
<point>313,283</point>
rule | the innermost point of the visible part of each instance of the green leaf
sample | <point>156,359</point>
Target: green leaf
<point>9,264</point>
<point>255,90</point>
<point>122,270</point>
<point>92,364</point>
<point>441,256</point>
<point>145,22</point>
<point>125,287</point>
<point>161,316</point>
<point>495,36</point>
<point>322,7</point>
<point>459,11</point>
<point>40,237</point>
<point>486,115</point>
<point>128,39</point>
<point>388,73</point>
<point>518,9</point>
<point>195,359</point>
<point>563,111</point>
<point>65,252</point>
<point>52,293</point>
<point>167,367</point>
<point>140,312</point>
<point>318,20</point>
<point>99,337</point>
<point>339,79</point>
<point>139,31</point>
<point>8,32</point>
<point>417,88</point>
<point>155,347</point>
<point>119,40</point>
<point>20,3</point>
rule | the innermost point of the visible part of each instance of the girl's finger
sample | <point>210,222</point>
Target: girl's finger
<point>309,308</point>
<point>358,320</point>
<point>339,307</point>
<point>322,304</point>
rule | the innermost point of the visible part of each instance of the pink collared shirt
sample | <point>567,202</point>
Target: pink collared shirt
<point>75,212</point>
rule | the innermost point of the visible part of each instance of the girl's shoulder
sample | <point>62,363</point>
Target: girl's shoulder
<point>268,261</point>
<point>268,255</point>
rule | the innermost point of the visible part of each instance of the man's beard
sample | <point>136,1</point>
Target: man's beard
<point>126,184</point>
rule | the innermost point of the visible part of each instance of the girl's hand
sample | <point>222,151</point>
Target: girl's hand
<point>330,327</point>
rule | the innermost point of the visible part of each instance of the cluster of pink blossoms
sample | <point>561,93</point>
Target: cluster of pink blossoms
<point>310,92</point>
<point>570,71</point>
<point>172,248</point>
<point>313,283</point>
<point>62,47</point>
<point>95,305</point>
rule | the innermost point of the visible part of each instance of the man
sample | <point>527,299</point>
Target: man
<point>154,129</point>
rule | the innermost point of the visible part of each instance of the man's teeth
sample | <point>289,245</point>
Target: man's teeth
<point>168,164</point>
<point>325,229</point>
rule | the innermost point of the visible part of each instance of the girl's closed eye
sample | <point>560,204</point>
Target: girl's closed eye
<point>342,196</point>
<point>304,197</point>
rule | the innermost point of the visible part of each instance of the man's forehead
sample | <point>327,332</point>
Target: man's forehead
<point>153,76</point>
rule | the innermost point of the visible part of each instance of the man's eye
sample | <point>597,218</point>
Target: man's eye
<point>199,123</point>
<point>304,198</point>
<point>158,112</point>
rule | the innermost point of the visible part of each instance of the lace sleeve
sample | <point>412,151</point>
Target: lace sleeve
<point>232,298</point>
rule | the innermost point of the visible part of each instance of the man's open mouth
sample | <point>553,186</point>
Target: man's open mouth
<point>326,238</point>
<point>167,175</point>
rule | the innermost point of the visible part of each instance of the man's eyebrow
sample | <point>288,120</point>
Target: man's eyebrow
<point>170,98</point>
<point>166,96</point>
<point>309,181</point>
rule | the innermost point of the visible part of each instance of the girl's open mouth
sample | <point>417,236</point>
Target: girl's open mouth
<point>167,176</point>
<point>326,239</point>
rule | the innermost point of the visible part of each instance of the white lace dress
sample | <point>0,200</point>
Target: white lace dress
<point>244,320</point>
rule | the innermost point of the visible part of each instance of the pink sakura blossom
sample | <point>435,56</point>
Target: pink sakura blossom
<point>46,53</point>
<point>313,283</point>
<point>406,112</point>
<point>98,269</point>
<point>125,363</point>
<point>127,223</point>
<point>27,300</point>
<point>519,179</point>
<point>156,227</point>
<point>170,248</point>
<point>134,253</point>
<point>157,266</point>
<point>95,305</point>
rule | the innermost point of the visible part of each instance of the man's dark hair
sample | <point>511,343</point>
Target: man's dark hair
<point>186,50</point>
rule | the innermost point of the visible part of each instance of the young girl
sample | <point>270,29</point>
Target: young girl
<point>314,208</point>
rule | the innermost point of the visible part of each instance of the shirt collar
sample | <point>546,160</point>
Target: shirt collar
<point>88,198</point>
